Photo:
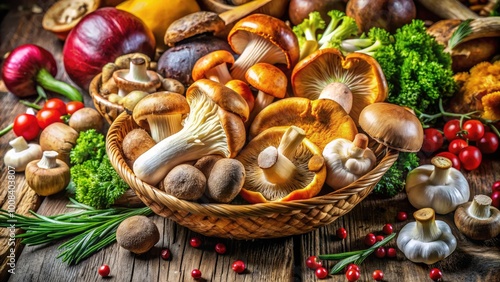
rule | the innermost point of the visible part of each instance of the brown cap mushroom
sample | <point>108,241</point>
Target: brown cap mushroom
<point>323,120</point>
<point>262,38</point>
<point>477,219</point>
<point>277,166</point>
<point>393,126</point>
<point>48,175</point>
<point>193,24</point>
<point>137,234</point>
<point>225,180</point>
<point>185,182</point>
<point>137,77</point>
<point>135,143</point>
<point>242,88</point>
<point>214,66</point>
<point>162,113</point>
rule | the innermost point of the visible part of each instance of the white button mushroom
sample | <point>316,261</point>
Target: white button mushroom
<point>21,154</point>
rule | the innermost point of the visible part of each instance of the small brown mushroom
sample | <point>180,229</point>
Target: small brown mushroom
<point>135,143</point>
<point>214,66</point>
<point>59,137</point>
<point>244,90</point>
<point>137,77</point>
<point>477,219</point>
<point>48,175</point>
<point>137,234</point>
<point>185,182</point>
<point>85,119</point>
<point>226,180</point>
<point>191,25</point>
<point>206,163</point>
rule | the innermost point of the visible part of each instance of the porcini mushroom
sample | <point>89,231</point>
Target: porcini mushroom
<point>278,166</point>
<point>137,77</point>
<point>48,175</point>
<point>21,154</point>
<point>354,81</point>
<point>162,113</point>
<point>137,234</point>
<point>262,38</point>
<point>225,180</point>
<point>214,66</point>
<point>478,219</point>
<point>185,182</point>
<point>213,126</point>
<point>323,120</point>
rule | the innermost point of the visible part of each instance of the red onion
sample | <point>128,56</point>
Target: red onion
<point>29,66</point>
<point>99,38</point>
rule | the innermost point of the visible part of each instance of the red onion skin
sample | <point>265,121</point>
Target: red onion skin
<point>21,67</point>
<point>99,38</point>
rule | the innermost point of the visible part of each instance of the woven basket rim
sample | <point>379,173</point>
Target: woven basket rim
<point>148,193</point>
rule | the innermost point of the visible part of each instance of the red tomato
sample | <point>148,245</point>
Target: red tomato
<point>56,104</point>
<point>73,106</point>
<point>47,117</point>
<point>452,157</point>
<point>470,157</point>
<point>473,129</point>
<point>451,129</point>
<point>26,125</point>
<point>488,144</point>
<point>433,140</point>
<point>457,145</point>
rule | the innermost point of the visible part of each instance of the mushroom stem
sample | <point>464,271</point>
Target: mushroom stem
<point>219,73</point>
<point>338,92</point>
<point>261,101</point>
<point>480,207</point>
<point>259,49</point>
<point>441,172</point>
<point>163,126</point>
<point>19,144</point>
<point>138,72</point>
<point>276,167</point>
<point>426,229</point>
<point>290,141</point>
<point>48,160</point>
<point>359,145</point>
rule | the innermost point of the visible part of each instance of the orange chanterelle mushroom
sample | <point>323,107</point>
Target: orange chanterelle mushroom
<point>354,81</point>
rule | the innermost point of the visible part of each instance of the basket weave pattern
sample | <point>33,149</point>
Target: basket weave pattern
<point>249,221</point>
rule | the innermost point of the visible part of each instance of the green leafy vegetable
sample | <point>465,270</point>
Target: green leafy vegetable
<point>393,181</point>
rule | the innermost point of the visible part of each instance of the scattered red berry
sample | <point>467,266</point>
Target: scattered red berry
<point>391,252</point>
<point>312,262</point>
<point>379,238</point>
<point>378,275</point>
<point>165,254</point>
<point>495,186</point>
<point>380,252</point>
<point>435,274</point>
<point>104,270</point>
<point>402,216</point>
<point>387,229</point>
<point>495,199</point>
<point>220,248</point>
<point>238,266</point>
<point>321,272</point>
<point>341,233</point>
<point>352,275</point>
<point>352,266</point>
<point>370,239</point>
<point>195,242</point>
<point>196,273</point>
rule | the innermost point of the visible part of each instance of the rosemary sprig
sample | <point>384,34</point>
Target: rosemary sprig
<point>356,257</point>
<point>462,31</point>
<point>91,229</point>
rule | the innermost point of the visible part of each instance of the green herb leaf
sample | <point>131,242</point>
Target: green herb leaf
<point>462,31</point>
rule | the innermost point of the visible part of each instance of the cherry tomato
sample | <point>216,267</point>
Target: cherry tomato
<point>401,216</point>
<point>473,129</point>
<point>26,125</point>
<point>195,242</point>
<point>104,270</point>
<point>165,254</point>
<point>196,273</point>
<point>380,252</point>
<point>321,273</point>
<point>312,262</point>
<point>56,104</point>
<point>220,248</point>
<point>495,186</point>
<point>435,274</point>
<point>391,252</point>
<point>457,145</point>
<point>488,144</point>
<point>47,117</point>
<point>378,275</point>
<point>433,140</point>
<point>451,129</point>
<point>352,275</point>
<point>453,158</point>
<point>341,233</point>
<point>370,239</point>
<point>470,157</point>
<point>73,106</point>
<point>495,199</point>
<point>238,266</point>
<point>387,229</point>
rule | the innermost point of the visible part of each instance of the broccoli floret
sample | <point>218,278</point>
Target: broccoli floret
<point>378,38</point>
<point>306,31</point>
<point>346,29</point>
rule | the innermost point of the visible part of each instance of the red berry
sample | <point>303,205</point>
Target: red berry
<point>435,274</point>
<point>379,238</point>
<point>495,199</point>
<point>370,239</point>
<point>380,252</point>
<point>104,270</point>
<point>387,229</point>
<point>352,275</point>
<point>391,252</point>
<point>352,266</point>
<point>312,262</point>
<point>196,273</point>
<point>402,216</point>
<point>321,273</point>
<point>341,233</point>
<point>238,266</point>
<point>495,186</point>
<point>165,254</point>
<point>195,242</point>
<point>378,275</point>
<point>220,248</point>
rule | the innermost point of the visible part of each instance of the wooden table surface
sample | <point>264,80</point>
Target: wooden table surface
<point>267,260</point>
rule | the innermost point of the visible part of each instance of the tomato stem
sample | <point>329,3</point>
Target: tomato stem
<point>48,82</point>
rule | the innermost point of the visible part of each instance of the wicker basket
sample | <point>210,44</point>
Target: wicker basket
<point>250,221</point>
<point>107,109</point>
